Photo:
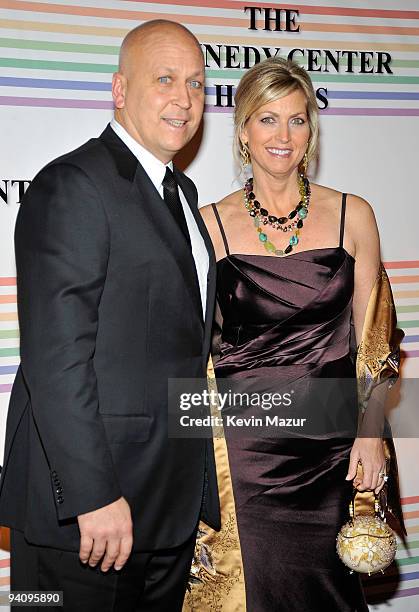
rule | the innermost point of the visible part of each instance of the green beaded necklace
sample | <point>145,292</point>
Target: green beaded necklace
<point>262,217</point>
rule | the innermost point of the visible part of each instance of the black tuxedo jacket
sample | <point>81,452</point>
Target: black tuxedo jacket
<point>109,310</point>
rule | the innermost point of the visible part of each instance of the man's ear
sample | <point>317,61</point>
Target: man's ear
<point>118,89</point>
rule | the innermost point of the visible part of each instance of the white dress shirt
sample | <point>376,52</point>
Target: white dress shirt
<point>156,171</point>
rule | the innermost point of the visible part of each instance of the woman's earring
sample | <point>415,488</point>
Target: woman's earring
<point>303,165</point>
<point>245,154</point>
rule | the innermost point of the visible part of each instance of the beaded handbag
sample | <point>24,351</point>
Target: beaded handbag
<point>366,543</point>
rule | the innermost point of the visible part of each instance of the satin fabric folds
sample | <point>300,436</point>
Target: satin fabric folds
<point>283,501</point>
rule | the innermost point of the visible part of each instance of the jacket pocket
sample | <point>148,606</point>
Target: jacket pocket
<point>128,429</point>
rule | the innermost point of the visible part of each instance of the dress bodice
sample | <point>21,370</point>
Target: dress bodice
<point>290,310</point>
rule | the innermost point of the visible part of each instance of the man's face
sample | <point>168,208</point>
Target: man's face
<point>160,97</point>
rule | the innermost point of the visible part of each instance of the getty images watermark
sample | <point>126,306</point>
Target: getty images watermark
<point>326,407</point>
<point>245,405</point>
<point>232,408</point>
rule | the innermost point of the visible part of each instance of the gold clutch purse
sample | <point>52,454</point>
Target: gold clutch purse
<point>366,543</point>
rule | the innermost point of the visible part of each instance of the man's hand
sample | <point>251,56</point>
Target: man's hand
<point>107,533</point>
<point>369,451</point>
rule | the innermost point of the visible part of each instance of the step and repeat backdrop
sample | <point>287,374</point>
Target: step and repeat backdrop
<point>56,64</point>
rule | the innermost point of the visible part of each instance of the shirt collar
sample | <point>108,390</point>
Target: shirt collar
<point>155,169</point>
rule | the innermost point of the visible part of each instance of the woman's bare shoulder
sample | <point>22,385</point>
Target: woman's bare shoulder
<point>328,195</point>
<point>359,214</point>
<point>358,209</point>
<point>323,191</point>
<point>325,195</point>
<point>225,207</point>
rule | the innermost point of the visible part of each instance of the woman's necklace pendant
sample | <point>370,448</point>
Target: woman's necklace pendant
<point>262,217</point>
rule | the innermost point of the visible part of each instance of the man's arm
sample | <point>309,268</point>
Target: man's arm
<point>62,247</point>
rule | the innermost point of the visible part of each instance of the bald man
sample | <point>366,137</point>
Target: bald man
<point>116,285</point>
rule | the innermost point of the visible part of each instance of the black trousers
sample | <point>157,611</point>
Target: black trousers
<point>149,582</point>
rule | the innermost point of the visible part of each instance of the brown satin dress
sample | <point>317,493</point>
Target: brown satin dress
<point>289,319</point>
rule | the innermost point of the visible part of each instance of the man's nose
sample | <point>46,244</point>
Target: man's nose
<point>183,96</point>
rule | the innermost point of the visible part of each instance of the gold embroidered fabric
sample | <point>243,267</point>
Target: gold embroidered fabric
<point>217,578</point>
<point>378,356</point>
<point>378,360</point>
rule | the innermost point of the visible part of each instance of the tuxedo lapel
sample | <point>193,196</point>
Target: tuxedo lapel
<point>212,270</point>
<point>168,231</point>
<point>124,159</point>
<point>142,190</point>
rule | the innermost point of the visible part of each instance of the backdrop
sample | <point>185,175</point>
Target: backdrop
<point>56,66</point>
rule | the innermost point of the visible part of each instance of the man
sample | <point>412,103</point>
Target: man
<point>116,284</point>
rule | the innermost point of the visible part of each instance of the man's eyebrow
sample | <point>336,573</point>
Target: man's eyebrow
<point>163,69</point>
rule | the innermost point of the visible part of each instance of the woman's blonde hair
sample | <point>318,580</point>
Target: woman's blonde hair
<point>266,82</point>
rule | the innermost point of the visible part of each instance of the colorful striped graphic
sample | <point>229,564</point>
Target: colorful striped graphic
<point>402,579</point>
<point>404,278</point>
<point>9,334</point>
<point>63,55</point>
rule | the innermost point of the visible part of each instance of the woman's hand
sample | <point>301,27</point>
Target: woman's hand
<point>370,452</point>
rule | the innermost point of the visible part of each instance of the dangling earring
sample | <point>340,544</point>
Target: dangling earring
<point>303,165</point>
<point>245,154</point>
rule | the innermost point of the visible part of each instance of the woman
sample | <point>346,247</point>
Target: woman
<point>296,262</point>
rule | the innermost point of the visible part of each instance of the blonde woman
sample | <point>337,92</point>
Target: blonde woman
<point>297,263</point>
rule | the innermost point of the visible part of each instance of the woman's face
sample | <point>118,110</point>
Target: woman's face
<point>277,134</point>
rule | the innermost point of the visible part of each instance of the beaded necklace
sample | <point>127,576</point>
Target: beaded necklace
<point>262,217</point>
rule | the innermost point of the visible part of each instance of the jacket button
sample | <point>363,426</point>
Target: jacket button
<point>59,490</point>
<point>60,499</point>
